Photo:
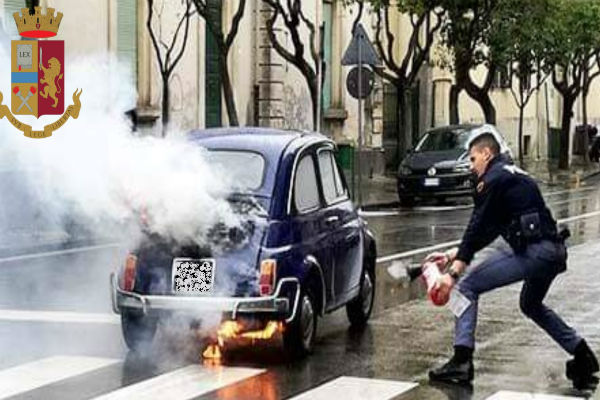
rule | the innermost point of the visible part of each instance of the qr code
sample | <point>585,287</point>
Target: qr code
<point>193,275</point>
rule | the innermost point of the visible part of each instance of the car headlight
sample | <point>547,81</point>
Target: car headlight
<point>405,170</point>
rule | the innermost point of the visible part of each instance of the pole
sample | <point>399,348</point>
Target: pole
<point>319,62</point>
<point>360,124</point>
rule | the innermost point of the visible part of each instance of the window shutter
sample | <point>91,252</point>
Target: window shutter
<point>212,84</point>
<point>127,36</point>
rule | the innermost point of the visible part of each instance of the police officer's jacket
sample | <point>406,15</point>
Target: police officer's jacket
<point>503,196</point>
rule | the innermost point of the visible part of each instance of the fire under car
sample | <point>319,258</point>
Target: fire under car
<point>309,254</point>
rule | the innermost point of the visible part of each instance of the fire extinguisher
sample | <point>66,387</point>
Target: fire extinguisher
<point>430,272</point>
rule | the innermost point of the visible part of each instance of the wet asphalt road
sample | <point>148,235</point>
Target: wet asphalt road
<point>58,305</point>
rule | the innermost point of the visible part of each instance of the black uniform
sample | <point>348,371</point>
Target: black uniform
<point>508,203</point>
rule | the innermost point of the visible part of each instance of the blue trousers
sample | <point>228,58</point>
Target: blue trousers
<point>537,267</point>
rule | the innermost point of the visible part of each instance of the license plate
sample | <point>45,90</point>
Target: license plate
<point>432,181</point>
<point>193,275</point>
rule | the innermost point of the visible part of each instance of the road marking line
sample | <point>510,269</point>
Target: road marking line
<point>58,316</point>
<point>412,253</point>
<point>352,388</point>
<point>182,384</point>
<point>390,213</point>
<point>26,377</point>
<point>509,395</point>
<point>583,189</point>
<point>57,252</point>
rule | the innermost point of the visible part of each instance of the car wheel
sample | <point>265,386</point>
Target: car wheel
<point>138,330</point>
<point>406,201</point>
<point>299,335</point>
<point>359,310</point>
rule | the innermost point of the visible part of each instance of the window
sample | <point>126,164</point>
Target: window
<point>330,177</point>
<point>306,191</point>
<point>127,37</point>
<point>245,168</point>
<point>502,78</point>
<point>444,140</point>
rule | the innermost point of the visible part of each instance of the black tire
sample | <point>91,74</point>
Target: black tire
<point>407,201</point>
<point>299,335</point>
<point>138,330</point>
<point>359,310</point>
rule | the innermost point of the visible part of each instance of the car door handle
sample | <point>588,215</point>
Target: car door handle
<point>332,219</point>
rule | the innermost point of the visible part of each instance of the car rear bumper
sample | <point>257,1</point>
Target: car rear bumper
<point>449,185</point>
<point>276,306</point>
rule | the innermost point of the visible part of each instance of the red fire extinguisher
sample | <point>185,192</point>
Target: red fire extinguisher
<point>431,274</point>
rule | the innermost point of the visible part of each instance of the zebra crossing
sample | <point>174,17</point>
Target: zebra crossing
<point>195,381</point>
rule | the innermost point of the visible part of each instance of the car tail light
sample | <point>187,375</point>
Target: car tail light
<point>266,283</point>
<point>129,271</point>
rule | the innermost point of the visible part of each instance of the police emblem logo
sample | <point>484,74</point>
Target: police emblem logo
<point>38,73</point>
<point>480,186</point>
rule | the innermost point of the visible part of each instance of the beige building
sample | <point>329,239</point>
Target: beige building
<point>268,90</point>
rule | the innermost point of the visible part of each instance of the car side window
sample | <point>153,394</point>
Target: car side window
<point>306,190</point>
<point>330,177</point>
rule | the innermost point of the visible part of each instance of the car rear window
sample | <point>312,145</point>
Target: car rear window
<point>444,140</point>
<point>246,168</point>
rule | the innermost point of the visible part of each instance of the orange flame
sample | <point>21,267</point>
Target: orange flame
<point>233,331</point>
<point>212,352</point>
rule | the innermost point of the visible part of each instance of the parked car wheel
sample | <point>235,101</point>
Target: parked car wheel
<point>359,310</point>
<point>299,335</point>
<point>406,201</point>
<point>138,330</point>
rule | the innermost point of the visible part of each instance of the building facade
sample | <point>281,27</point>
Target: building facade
<point>269,91</point>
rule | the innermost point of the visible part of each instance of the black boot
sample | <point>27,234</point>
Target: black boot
<point>458,370</point>
<point>582,368</point>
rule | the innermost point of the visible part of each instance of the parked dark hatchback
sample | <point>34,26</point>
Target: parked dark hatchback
<point>310,254</point>
<point>438,166</point>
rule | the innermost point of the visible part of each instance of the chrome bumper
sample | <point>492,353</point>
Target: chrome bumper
<point>235,305</point>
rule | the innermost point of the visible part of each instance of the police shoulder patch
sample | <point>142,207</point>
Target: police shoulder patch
<point>513,169</point>
<point>480,186</point>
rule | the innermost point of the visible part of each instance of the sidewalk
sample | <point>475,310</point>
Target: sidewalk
<point>380,190</point>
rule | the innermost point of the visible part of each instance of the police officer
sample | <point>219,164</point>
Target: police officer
<point>508,203</point>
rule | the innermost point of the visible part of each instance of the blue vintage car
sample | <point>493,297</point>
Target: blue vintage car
<point>310,254</point>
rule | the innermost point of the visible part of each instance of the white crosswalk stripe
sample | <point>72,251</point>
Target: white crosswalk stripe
<point>509,395</point>
<point>351,388</point>
<point>182,384</point>
<point>193,381</point>
<point>43,372</point>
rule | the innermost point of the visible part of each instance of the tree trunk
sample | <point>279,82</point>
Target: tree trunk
<point>568,102</point>
<point>401,115</point>
<point>315,103</point>
<point>165,105</point>
<point>232,114</point>
<point>586,142</point>
<point>482,98</point>
<point>454,95</point>
<point>521,113</point>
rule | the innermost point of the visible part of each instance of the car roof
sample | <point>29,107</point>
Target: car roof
<point>268,141</point>
<point>271,143</point>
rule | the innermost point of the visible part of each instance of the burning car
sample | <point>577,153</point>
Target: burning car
<point>305,252</point>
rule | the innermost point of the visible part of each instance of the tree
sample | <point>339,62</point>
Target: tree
<point>171,52</point>
<point>589,75</point>
<point>294,20</point>
<point>573,38</point>
<point>477,34</point>
<point>224,44</point>
<point>402,70</point>
<point>527,55</point>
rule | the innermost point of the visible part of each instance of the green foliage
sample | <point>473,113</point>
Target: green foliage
<point>573,32</point>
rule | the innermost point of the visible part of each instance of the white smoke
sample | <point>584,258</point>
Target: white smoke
<point>93,168</point>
